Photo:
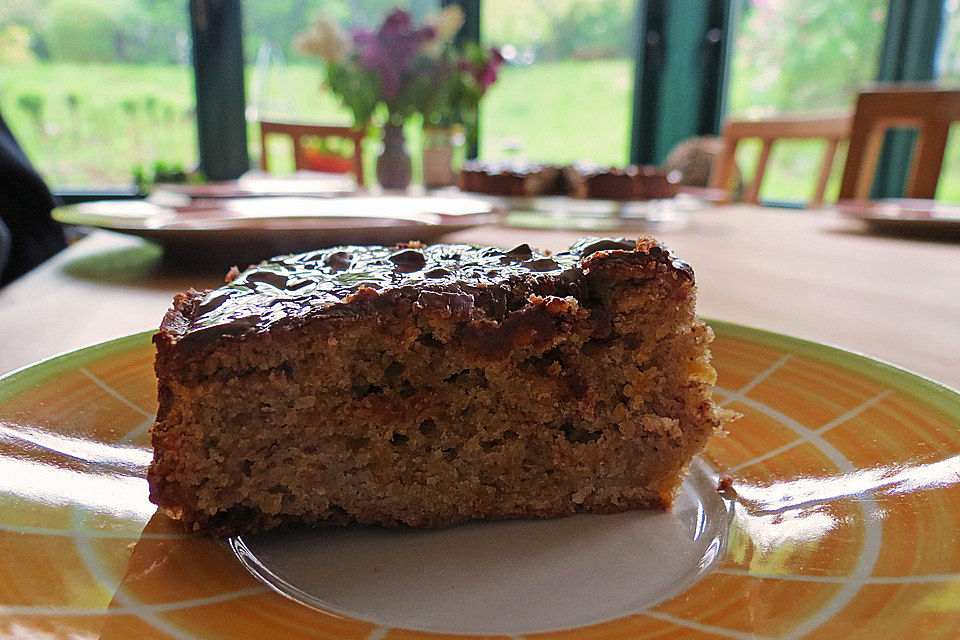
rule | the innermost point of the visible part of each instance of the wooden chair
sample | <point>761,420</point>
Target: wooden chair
<point>832,129</point>
<point>925,108</point>
<point>297,131</point>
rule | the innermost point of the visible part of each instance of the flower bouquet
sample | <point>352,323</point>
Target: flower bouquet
<point>402,69</point>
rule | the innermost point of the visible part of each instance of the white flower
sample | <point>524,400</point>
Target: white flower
<point>448,22</point>
<point>325,40</point>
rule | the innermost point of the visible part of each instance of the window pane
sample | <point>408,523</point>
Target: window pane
<point>801,57</point>
<point>567,93</point>
<point>93,88</point>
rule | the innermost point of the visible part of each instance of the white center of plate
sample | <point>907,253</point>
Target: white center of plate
<point>508,577</point>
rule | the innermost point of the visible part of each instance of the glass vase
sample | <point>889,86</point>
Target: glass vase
<point>394,169</point>
<point>438,154</point>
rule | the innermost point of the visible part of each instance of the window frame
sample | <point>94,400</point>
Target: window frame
<point>217,33</point>
<point>907,54</point>
<point>682,56</point>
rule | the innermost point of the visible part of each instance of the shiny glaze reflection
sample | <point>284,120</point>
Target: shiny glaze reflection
<point>893,480</point>
<point>54,469</point>
<point>287,289</point>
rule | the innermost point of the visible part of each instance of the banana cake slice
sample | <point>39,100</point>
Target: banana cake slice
<point>429,385</point>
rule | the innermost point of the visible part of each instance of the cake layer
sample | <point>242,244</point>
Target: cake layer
<point>431,385</point>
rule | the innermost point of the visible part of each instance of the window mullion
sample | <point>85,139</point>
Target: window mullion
<point>217,33</point>
<point>908,54</point>
<point>681,58</point>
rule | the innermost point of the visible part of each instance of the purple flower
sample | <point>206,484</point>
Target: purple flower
<point>390,51</point>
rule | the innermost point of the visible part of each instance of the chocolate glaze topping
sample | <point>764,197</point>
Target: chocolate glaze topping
<point>454,277</point>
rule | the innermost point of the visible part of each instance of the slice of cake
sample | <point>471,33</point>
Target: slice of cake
<point>516,179</point>
<point>429,385</point>
<point>632,183</point>
<point>655,184</point>
<point>589,182</point>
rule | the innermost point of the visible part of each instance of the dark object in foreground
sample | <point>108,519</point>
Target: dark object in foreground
<point>28,235</point>
<point>430,385</point>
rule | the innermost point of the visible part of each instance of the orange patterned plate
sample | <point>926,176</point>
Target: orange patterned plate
<point>842,523</point>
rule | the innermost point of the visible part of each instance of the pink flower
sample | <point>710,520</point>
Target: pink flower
<point>485,71</point>
<point>487,74</point>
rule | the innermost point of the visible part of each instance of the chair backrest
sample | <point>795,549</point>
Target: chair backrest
<point>830,128</point>
<point>921,107</point>
<point>297,131</point>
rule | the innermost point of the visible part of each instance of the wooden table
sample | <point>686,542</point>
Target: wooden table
<point>796,272</point>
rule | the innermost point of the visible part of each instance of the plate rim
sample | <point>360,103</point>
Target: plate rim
<point>862,210</point>
<point>74,214</point>
<point>923,389</point>
<point>932,393</point>
<point>19,379</point>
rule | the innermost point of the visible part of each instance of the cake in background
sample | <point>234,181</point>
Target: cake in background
<point>519,179</point>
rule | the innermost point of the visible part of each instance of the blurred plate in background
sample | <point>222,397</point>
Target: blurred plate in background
<point>260,184</point>
<point>905,216</point>
<point>260,227</point>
